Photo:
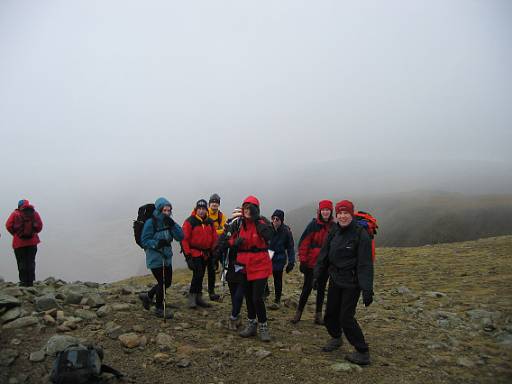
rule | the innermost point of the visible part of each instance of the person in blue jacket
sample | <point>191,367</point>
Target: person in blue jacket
<point>284,254</point>
<point>157,236</point>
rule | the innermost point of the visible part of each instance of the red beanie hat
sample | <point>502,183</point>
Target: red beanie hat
<point>325,204</point>
<point>252,200</point>
<point>345,205</point>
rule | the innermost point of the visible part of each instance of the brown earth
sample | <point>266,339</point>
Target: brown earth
<point>421,328</point>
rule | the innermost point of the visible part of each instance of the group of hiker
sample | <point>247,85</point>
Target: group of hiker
<point>334,248</point>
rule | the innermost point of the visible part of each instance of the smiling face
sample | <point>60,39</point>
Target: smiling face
<point>214,206</point>
<point>246,210</point>
<point>344,218</point>
<point>276,222</point>
<point>201,212</point>
<point>325,214</point>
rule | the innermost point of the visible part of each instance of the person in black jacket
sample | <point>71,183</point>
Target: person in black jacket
<point>347,256</point>
<point>284,254</point>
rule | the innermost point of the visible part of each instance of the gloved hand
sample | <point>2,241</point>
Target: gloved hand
<point>190,264</point>
<point>289,267</point>
<point>169,222</point>
<point>239,242</point>
<point>315,284</point>
<point>255,212</point>
<point>367,298</point>
<point>162,243</point>
<point>303,268</point>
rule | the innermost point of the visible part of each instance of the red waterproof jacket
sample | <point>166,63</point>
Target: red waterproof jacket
<point>200,236</point>
<point>15,224</point>
<point>312,240</point>
<point>253,253</point>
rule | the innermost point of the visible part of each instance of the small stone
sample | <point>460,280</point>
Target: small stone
<point>183,363</point>
<point>48,320</point>
<point>21,322</point>
<point>85,314</point>
<point>113,330</point>
<point>130,340</point>
<point>15,341</point>
<point>402,290</point>
<point>262,353</point>
<point>346,367</point>
<point>95,301</point>
<point>436,295</point>
<point>465,362</point>
<point>7,356</point>
<point>121,307</point>
<point>60,316</point>
<point>73,297</point>
<point>165,342</point>
<point>70,324</point>
<point>63,328</point>
<point>162,357</point>
<point>126,290</point>
<point>104,311</point>
<point>138,328</point>
<point>91,284</point>
<point>37,356</point>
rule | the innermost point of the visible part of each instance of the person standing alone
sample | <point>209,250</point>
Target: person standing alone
<point>24,224</point>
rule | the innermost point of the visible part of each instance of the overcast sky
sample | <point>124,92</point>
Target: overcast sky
<point>99,97</point>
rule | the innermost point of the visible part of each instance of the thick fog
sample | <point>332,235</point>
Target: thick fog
<point>107,105</point>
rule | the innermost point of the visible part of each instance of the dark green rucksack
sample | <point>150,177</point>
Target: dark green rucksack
<point>79,364</point>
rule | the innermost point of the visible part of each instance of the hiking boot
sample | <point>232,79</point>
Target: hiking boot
<point>274,306</point>
<point>214,297</point>
<point>201,302</point>
<point>250,329</point>
<point>263,332</point>
<point>359,358</point>
<point>146,301</point>
<point>297,317</point>
<point>319,319</point>
<point>159,312</point>
<point>332,345</point>
<point>233,323</point>
<point>192,300</point>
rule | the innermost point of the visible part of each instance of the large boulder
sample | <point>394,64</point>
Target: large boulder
<point>45,303</point>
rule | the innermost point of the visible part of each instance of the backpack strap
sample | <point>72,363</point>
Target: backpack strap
<point>108,369</point>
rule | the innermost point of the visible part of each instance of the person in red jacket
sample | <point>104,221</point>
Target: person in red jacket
<point>310,244</point>
<point>198,245</point>
<point>251,243</point>
<point>24,224</point>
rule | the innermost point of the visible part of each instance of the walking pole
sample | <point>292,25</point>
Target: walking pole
<point>164,287</point>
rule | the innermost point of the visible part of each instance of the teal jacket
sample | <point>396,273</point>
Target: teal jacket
<point>154,230</point>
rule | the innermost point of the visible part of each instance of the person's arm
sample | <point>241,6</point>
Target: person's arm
<point>364,262</point>
<point>38,223</point>
<point>322,262</point>
<point>185,242</point>
<point>290,248</point>
<point>177,232</point>
<point>304,243</point>
<point>264,229</point>
<point>9,224</point>
<point>147,239</point>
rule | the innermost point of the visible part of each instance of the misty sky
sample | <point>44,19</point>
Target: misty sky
<point>109,103</point>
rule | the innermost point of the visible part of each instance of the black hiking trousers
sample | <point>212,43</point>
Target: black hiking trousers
<point>339,315</point>
<point>308,286</point>
<point>254,298</point>
<point>158,289</point>
<point>211,274</point>
<point>278,284</point>
<point>26,259</point>
<point>199,264</point>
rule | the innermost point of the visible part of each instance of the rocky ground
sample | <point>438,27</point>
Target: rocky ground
<point>442,314</point>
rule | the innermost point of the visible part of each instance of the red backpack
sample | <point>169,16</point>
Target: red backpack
<point>26,223</point>
<point>367,221</point>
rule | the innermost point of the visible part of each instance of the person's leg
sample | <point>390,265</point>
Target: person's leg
<point>349,324</point>
<point>306,289</point>
<point>278,285</point>
<point>196,285</point>
<point>258,293</point>
<point>332,317</point>
<point>211,279</point>
<point>30,265</point>
<point>200,278</point>
<point>157,288</point>
<point>251,327</point>
<point>20,253</point>
<point>239,299</point>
